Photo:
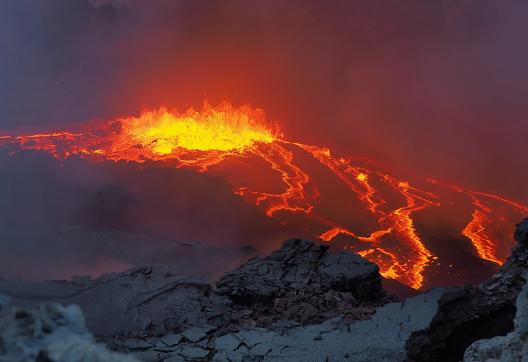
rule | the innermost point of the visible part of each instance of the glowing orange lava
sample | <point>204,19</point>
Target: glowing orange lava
<point>223,129</point>
<point>485,214</point>
<point>213,135</point>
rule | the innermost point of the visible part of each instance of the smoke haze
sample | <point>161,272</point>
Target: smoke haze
<point>436,88</point>
<point>427,88</point>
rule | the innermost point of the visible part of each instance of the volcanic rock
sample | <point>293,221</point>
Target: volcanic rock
<point>155,315</point>
<point>381,338</point>
<point>468,314</point>
<point>513,346</point>
<point>50,333</point>
<point>135,302</point>
<point>305,283</point>
<point>301,266</point>
<point>299,303</point>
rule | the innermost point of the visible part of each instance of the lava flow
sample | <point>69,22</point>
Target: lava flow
<point>207,139</point>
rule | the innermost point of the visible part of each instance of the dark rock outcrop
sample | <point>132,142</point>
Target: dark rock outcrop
<point>302,266</point>
<point>303,282</point>
<point>510,348</point>
<point>468,314</point>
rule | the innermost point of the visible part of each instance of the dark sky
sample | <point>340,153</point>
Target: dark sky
<point>435,88</point>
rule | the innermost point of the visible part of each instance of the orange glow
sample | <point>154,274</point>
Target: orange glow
<point>216,135</point>
<point>222,129</point>
<point>476,231</point>
<point>483,220</point>
<point>361,176</point>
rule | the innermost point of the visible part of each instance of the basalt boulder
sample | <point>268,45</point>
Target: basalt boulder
<point>305,283</point>
<point>468,314</point>
<point>510,348</point>
<point>303,267</point>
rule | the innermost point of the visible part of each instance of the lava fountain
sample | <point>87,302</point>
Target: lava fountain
<point>212,139</point>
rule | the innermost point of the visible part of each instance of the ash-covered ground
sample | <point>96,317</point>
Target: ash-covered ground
<point>301,302</point>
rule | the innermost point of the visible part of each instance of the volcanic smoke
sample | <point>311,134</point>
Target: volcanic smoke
<point>276,174</point>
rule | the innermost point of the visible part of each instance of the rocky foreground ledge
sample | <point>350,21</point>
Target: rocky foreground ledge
<point>299,303</point>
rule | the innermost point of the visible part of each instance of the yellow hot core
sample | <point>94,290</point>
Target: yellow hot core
<point>220,129</point>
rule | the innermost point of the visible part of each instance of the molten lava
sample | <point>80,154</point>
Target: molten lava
<point>204,140</point>
<point>223,129</point>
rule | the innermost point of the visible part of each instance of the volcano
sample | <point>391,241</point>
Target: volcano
<point>351,203</point>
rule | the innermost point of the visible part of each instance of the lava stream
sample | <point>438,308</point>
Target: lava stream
<point>202,139</point>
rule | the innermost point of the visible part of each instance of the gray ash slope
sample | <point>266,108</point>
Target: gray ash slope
<point>299,303</point>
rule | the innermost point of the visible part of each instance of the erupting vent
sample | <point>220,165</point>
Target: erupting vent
<point>214,136</point>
